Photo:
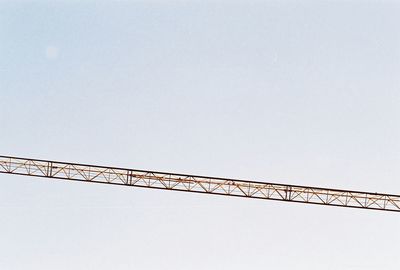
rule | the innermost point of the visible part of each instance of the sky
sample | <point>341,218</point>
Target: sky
<point>300,92</point>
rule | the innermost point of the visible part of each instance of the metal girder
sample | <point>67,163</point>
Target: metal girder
<point>199,184</point>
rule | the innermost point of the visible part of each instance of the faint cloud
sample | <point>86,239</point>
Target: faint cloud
<point>52,52</point>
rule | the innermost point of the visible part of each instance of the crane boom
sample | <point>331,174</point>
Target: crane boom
<point>198,184</point>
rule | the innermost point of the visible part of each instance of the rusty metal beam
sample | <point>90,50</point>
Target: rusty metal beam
<point>198,184</point>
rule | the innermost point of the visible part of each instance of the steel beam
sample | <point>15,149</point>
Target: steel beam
<point>198,184</point>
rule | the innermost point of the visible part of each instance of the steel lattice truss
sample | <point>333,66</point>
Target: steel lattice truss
<point>199,184</point>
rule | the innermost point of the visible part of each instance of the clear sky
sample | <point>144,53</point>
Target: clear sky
<point>302,92</point>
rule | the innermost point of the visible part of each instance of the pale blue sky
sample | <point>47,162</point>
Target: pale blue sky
<point>302,92</point>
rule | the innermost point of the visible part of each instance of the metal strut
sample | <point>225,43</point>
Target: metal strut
<point>198,184</point>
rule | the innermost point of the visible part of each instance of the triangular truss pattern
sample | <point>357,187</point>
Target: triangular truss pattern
<point>199,184</point>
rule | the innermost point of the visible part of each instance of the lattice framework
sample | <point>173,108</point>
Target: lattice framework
<point>199,184</point>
